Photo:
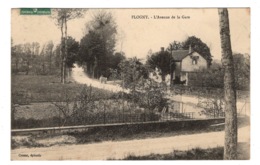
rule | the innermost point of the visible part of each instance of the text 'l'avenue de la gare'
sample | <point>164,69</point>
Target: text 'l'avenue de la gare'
<point>160,17</point>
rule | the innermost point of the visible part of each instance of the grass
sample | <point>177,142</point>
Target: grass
<point>35,88</point>
<point>217,153</point>
<point>193,154</point>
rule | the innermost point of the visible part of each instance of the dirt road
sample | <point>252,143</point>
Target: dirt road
<point>119,150</point>
<point>80,77</point>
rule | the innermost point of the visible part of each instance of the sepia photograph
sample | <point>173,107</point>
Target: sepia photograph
<point>130,84</point>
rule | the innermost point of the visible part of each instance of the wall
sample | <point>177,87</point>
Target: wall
<point>127,128</point>
<point>187,65</point>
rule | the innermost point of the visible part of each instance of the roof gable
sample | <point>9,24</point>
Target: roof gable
<point>178,55</point>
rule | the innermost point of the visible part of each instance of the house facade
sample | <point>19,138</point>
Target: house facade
<point>186,62</point>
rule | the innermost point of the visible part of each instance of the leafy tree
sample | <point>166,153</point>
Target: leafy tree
<point>90,51</point>
<point>30,50</point>
<point>175,45</point>
<point>212,77</point>
<point>16,55</point>
<point>230,146</point>
<point>97,46</point>
<point>162,61</point>
<point>242,71</point>
<point>132,71</point>
<point>49,54</point>
<point>113,65</point>
<point>198,46</point>
<point>116,59</point>
<point>73,48</point>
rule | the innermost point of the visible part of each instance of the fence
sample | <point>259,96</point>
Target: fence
<point>100,118</point>
<point>125,127</point>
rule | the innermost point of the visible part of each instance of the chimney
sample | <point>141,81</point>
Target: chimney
<point>162,49</point>
<point>190,49</point>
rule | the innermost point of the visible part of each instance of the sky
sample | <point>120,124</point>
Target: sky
<point>142,35</point>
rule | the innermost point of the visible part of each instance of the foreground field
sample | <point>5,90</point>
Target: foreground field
<point>33,88</point>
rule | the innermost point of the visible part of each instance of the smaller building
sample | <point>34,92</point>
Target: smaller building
<point>186,62</point>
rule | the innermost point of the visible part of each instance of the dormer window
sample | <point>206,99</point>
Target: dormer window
<point>194,60</point>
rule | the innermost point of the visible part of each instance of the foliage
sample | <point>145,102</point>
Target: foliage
<point>150,95</point>
<point>32,58</point>
<point>73,48</point>
<point>212,103</point>
<point>242,71</point>
<point>212,77</point>
<point>162,61</point>
<point>23,56</point>
<point>192,154</point>
<point>175,45</point>
<point>97,46</point>
<point>198,46</point>
<point>70,14</point>
<point>132,71</point>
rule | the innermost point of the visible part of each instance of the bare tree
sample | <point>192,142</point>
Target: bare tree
<point>230,147</point>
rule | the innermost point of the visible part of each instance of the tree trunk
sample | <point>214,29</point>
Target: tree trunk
<point>62,51</point>
<point>28,67</point>
<point>163,76</point>
<point>65,51</point>
<point>50,63</point>
<point>230,147</point>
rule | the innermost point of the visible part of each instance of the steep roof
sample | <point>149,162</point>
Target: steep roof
<point>178,55</point>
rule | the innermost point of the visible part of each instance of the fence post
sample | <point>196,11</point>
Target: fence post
<point>104,113</point>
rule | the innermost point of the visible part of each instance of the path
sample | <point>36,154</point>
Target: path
<point>80,77</point>
<point>120,149</point>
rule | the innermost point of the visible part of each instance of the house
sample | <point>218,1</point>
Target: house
<point>186,62</point>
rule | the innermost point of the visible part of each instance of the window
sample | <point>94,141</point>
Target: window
<point>195,60</point>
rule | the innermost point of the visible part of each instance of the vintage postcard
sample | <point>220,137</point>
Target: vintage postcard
<point>130,84</point>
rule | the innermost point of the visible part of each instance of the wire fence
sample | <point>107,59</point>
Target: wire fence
<point>103,116</point>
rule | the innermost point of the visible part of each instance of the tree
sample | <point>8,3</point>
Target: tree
<point>62,16</point>
<point>97,46</point>
<point>49,54</point>
<point>73,48</point>
<point>242,71</point>
<point>162,61</point>
<point>173,46</point>
<point>30,51</point>
<point>132,71</point>
<point>115,60</point>
<point>211,77</point>
<point>198,46</point>
<point>230,146</point>
<point>90,51</point>
<point>16,55</point>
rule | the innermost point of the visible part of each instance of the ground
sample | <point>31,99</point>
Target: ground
<point>121,149</point>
